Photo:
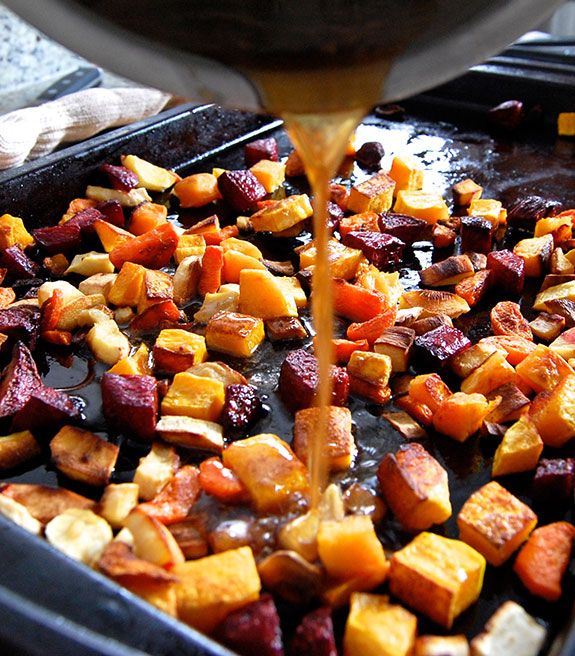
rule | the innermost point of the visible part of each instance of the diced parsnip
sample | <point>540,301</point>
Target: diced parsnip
<point>371,367</point>
<point>212,587</point>
<point>493,372</point>
<point>428,645</point>
<point>176,350</point>
<point>536,253</point>
<point>153,541</point>
<point>194,396</point>
<point>465,192</point>
<point>219,371</point>
<point>152,177</point>
<point>130,198</point>
<point>407,173</point>
<point>396,342</point>
<point>372,195</point>
<point>88,264</point>
<point>17,448</point>
<point>437,576</point>
<point>99,283</point>
<point>69,317</point>
<point>186,279</point>
<point>155,470</point>
<point>495,522</point>
<point>117,502</point>
<point>223,300</point>
<point>69,292</point>
<point>191,433</point>
<point>282,215</point>
<point>19,514</point>
<point>233,333</point>
<point>565,291</point>
<point>435,302</point>
<point>466,361</point>
<point>376,627</point>
<point>425,205</point>
<point>564,345</point>
<point>80,534</point>
<point>107,342</point>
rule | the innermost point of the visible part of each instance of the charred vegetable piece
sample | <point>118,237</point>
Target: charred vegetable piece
<point>130,404</point>
<point>153,249</point>
<point>436,347</point>
<point>372,195</point>
<point>253,629</point>
<point>447,272</point>
<point>17,448</point>
<point>20,380</point>
<point>17,264</point>
<point>369,155</point>
<point>298,381</point>
<point>554,480</point>
<point>174,501</point>
<point>508,270</point>
<point>242,407</point>
<point>382,250</point>
<point>525,212</point>
<point>285,329</point>
<point>241,189</point>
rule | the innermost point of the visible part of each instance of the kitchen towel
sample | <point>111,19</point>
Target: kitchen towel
<point>29,133</point>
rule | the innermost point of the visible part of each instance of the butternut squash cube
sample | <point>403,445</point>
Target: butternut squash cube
<point>489,209</point>
<point>111,235</point>
<point>375,627</point>
<point>465,362</point>
<point>212,587</point>
<point>13,233</point>
<point>191,433</point>
<point>186,279</point>
<point>343,260</point>
<point>272,473</point>
<point>237,334</point>
<point>292,285</point>
<point>415,487</point>
<point>536,254</point>
<point>270,174</point>
<point>466,191</point>
<point>157,287</point>
<point>407,173</point>
<point>425,205</point>
<point>235,262</point>
<point>134,365</point>
<point>543,369</point>
<point>194,396</point>
<point>519,450</point>
<point>492,373</point>
<point>429,389</point>
<point>350,548</point>
<point>437,576</point>
<point>177,350</point>
<point>127,287</point>
<point>189,244</point>
<point>495,522</point>
<point>241,246</point>
<point>554,415</point>
<point>261,296</point>
<point>460,415</point>
<point>339,448</point>
<point>283,214</point>
<point>117,502</point>
<point>372,195</point>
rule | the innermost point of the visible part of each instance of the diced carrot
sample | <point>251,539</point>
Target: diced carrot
<point>211,275</point>
<point>153,249</point>
<point>372,391</point>
<point>373,328</point>
<point>343,349</point>
<point>356,303</point>
<point>7,296</point>
<point>506,319</point>
<point>225,233</point>
<point>60,337</point>
<point>209,226</point>
<point>219,481</point>
<point>567,213</point>
<point>235,262</point>
<point>443,237</point>
<point>419,411</point>
<point>358,222</point>
<point>197,190</point>
<point>155,315</point>
<point>175,499</point>
<point>516,347</point>
<point>543,560</point>
<point>147,216</point>
<point>51,311</point>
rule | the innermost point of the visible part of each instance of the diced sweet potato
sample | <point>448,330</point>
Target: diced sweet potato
<point>553,416</point>
<point>157,287</point>
<point>176,350</point>
<point>474,288</point>
<point>437,576</point>
<point>460,415</point>
<point>495,522</point>
<point>269,469</point>
<point>234,333</point>
<point>194,396</point>
<point>407,172</point>
<point>283,214</point>
<point>507,319</point>
<point>536,254</point>
<point>343,260</point>
<point>429,389</point>
<point>261,295</point>
<point>130,404</point>
<point>415,487</point>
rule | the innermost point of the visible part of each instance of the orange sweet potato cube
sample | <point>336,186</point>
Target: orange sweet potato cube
<point>372,195</point>
<point>126,290</point>
<point>494,372</point>
<point>429,389</point>
<point>177,350</point>
<point>273,475</point>
<point>157,287</point>
<point>194,396</point>
<point>495,522</point>
<point>460,415</point>
<point>543,369</point>
<point>339,448</point>
<point>553,413</point>
<point>237,334</point>
<point>415,487</point>
<point>437,576</point>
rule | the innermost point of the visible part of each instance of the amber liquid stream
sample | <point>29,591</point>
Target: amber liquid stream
<point>321,110</point>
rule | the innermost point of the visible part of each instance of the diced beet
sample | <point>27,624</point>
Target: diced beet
<point>508,271</point>
<point>283,268</point>
<point>17,264</point>
<point>46,409</point>
<point>369,155</point>
<point>241,189</point>
<point>120,177</point>
<point>435,347</point>
<point>390,112</point>
<point>507,116</point>
<point>305,277</point>
<point>261,149</point>
<point>314,635</point>
<point>285,329</point>
<point>407,228</point>
<point>63,238</point>
<point>381,249</point>
<point>525,212</point>
<point>130,404</point>
<point>334,215</point>
<point>85,220</point>
<point>253,629</point>
<point>113,212</point>
<point>475,234</point>
<point>554,480</point>
<point>299,380</point>
<point>21,322</point>
<point>19,380</point>
<point>242,407</point>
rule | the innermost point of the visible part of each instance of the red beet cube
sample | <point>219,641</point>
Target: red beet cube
<point>253,629</point>
<point>334,215</point>
<point>17,264</point>
<point>314,635</point>
<point>405,227</point>
<point>242,407</point>
<point>381,249</point>
<point>85,219</point>
<point>21,322</point>
<point>19,380</point>
<point>63,238</point>
<point>261,149</point>
<point>113,212</point>
<point>241,189</point>
<point>554,480</point>
<point>525,212</point>
<point>434,348</point>
<point>299,381</point>
<point>120,177</point>
<point>475,234</point>
<point>46,409</point>
<point>508,271</point>
<point>130,404</point>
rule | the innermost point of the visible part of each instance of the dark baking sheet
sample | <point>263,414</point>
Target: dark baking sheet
<point>453,142</point>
